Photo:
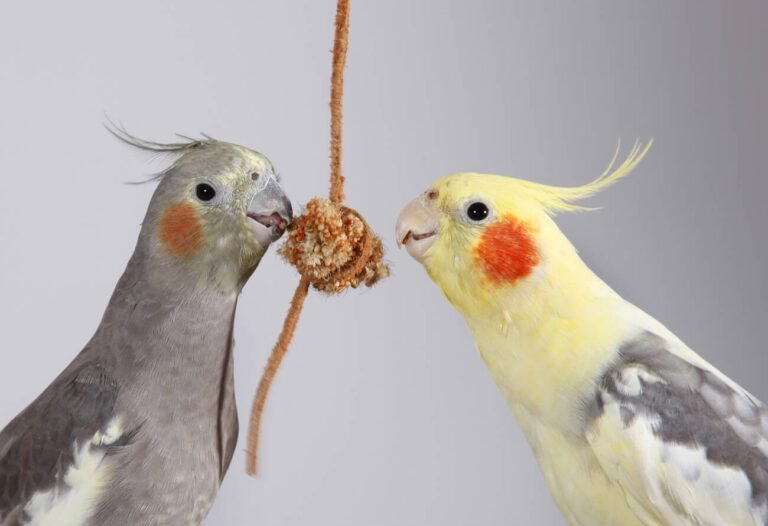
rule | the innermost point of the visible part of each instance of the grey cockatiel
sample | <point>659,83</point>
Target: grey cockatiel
<point>140,428</point>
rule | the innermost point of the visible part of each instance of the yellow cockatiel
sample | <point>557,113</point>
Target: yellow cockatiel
<point>629,426</point>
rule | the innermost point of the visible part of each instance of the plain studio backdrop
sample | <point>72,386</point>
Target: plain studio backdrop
<point>383,413</point>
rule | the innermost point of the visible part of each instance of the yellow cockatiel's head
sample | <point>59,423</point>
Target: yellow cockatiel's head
<point>484,237</point>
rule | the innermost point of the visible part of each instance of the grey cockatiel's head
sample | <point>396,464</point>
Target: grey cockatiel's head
<point>215,212</point>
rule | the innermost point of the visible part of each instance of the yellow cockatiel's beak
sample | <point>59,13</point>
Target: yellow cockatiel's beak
<point>417,228</point>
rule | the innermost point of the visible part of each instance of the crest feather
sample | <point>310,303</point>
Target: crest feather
<point>173,148</point>
<point>557,199</point>
<point>187,143</point>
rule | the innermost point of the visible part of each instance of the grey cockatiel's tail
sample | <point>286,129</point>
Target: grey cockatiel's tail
<point>140,428</point>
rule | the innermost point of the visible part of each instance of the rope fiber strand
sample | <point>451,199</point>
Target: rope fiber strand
<point>340,45</point>
<point>331,245</point>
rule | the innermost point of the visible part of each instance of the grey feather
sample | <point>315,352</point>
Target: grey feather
<point>38,444</point>
<point>228,427</point>
<point>119,132</point>
<point>172,148</point>
<point>691,406</point>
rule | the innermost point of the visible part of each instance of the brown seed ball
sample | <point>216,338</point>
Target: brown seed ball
<point>327,245</point>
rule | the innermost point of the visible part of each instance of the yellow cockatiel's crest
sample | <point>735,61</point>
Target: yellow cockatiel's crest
<point>556,199</point>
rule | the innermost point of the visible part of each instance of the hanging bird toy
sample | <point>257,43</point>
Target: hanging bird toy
<point>331,245</point>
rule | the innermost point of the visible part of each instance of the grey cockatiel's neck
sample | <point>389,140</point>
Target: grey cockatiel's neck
<point>156,290</point>
<point>176,321</point>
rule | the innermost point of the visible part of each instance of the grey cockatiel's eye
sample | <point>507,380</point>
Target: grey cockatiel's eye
<point>140,428</point>
<point>205,192</point>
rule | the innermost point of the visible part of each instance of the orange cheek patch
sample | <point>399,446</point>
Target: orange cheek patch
<point>506,252</point>
<point>180,231</point>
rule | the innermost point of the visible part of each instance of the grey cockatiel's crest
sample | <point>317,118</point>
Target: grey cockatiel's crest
<point>140,428</point>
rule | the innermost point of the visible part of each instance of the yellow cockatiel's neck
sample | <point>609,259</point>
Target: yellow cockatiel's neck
<point>546,338</point>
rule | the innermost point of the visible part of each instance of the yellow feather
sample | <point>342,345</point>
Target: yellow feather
<point>556,199</point>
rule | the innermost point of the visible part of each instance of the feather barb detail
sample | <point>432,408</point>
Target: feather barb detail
<point>556,199</point>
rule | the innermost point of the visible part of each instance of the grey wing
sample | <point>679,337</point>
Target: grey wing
<point>687,445</point>
<point>38,446</point>
<point>228,425</point>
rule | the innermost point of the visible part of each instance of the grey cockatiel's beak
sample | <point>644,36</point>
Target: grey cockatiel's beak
<point>270,211</point>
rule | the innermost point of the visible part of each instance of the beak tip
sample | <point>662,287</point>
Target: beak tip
<point>402,235</point>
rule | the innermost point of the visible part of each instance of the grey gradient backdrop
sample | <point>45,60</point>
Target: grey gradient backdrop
<point>392,420</point>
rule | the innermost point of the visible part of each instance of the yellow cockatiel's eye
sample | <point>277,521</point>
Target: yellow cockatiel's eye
<point>477,212</point>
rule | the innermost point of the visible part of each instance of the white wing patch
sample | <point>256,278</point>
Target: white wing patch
<point>73,501</point>
<point>112,433</point>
